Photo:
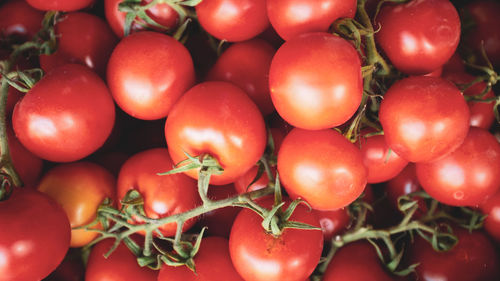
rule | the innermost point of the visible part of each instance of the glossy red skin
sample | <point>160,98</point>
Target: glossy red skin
<point>219,221</point>
<point>315,81</point>
<point>233,20</point>
<point>148,72</point>
<point>242,184</point>
<point>257,255</point>
<point>27,165</point>
<point>321,167</point>
<point>66,116</point>
<point>404,183</point>
<point>37,238</point>
<point>219,119</point>
<point>473,258</point>
<point>467,176</point>
<point>212,263</point>
<point>120,265</point>
<point>163,195</point>
<point>356,261</point>
<point>246,64</point>
<point>60,5</point>
<point>419,36</point>
<point>291,18</point>
<point>83,39</point>
<point>333,222</point>
<point>491,208</point>
<point>424,118</point>
<point>17,18</point>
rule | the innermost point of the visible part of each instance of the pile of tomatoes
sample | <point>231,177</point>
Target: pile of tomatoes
<point>249,140</point>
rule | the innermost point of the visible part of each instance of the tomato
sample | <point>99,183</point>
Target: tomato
<point>219,222</point>
<point>120,265</point>
<point>83,39</point>
<point>419,36</point>
<point>60,5</point>
<point>80,188</point>
<point>315,81</point>
<point>35,236</point>
<point>218,119</point>
<point>70,269</point>
<point>258,255</point>
<point>233,20</point>
<point>491,208</point>
<point>163,195</point>
<point>66,116</point>
<point>19,19</point>
<point>212,263</point>
<point>454,64</point>
<point>242,184</point>
<point>294,17</point>
<point>148,72</point>
<point>321,167</point>
<point>424,118</point>
<point>404,183</point>
<point>467,176</point>
<point>246,65</point>
<point>333,222</point>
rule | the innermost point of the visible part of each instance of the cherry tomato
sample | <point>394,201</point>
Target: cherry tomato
<point>333,222</point>
<point>491,208</point>
<point>242,184</point>
<point>148,72</point>
<point>19,19</point>
<point>66,116</point>
<point>315,81</point>
<point>60,5</point>
<point>454,64</point>
<point>219,221</point>
<point>404,183</point>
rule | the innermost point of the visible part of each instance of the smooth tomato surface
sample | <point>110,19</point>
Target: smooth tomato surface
<point>19,19</point>
<point>60,5</point>
<point>491,208</point>
<point>333,222</point>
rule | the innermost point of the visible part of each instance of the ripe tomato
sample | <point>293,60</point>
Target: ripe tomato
<point>212,263</point>
<point>491,208</point>
<point>19,19</point>
<point>333,222</point>
<point>404,183</point>
<point>467,176</point>
<point>148,72</point>
<point>242,184</point>
<point>79,188</point>
<point>233,20</point>
<point>258,255</point>
<point>219,119</point>
<point>219,222</point>
<point>294,17</point>
<point>66,116</point>
<point>60,5</point>
<point>424,118</point>
<point>419,36</point>
<point>321,167</point>
<point>315,81</point>
<point>34,238</point>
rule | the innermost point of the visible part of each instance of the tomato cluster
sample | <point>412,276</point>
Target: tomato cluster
<point>249,140</point>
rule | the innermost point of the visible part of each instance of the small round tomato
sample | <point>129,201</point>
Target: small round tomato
<point>424,118</point>
<point>60,5</point>
<point>218,119</point>
<point>66,116</point>
<point>233,20</point>
<point>243,183</point>
<point>19,19</point>
<point>491,208</point>
<point>333,222</point>
<point>315,81</point>
<point>321,167</point>
<point>35,235</point>
<point>219,221</point>
<point>404,183</point>
<point>148,72</point>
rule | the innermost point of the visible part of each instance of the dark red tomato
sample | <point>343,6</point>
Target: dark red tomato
<point>70,269</point>
<point>163,195</point>
<point>246,65</point>
<point>467,176</point>
<point>473,258</point>
<point>66,116</point>
<point>242,184</point>
<point>321,167</point>
<point>419,36</point>
<point>258,255</point>
<point>212,263</point>
<point>219,221</point>
<point>218,119</point>
<point>148,72</point>
<point>19,19</point>
<point>333,222</point>
<point>83,39</point>
<point>404,183</point>
<point>161,13</point>
<point>12,98</point>
<point>35,235</point>
<point>120,265</point>
<point>454,64</point>
<point>294,17</point>
<point>60,5</point>
<point>357,261</point>
<point>491,208</point>
<point>111,161</point>
<point>27,165</point>
<point>315,81</point>
<point>424,118</point>
<point>233,20</point>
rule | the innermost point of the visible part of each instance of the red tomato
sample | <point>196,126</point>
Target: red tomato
<point>19,19</point>
<point>218,119</point>
<point>294,17</point>
<point>219,222</point>
<point>66,116</point>
<point>454,64</point>
<point>424,118</point>
<point>148,72</point>
<point>404,183</point>
<point>321,167</point>
<point>83,39</point>
<point>491,208</point>
<point>60,5</point>
<point>70,269</point>
<point>315,81</point>
<point>419,36</point>
<point>242,184</point>
<point>467,176</point>
<point>163,195</point>
<point>212,263</point>
<point>258,255</point>
<point>333,222</point>
<point>246,65</point>
<point>35,235</point>
<point>233,20</point>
